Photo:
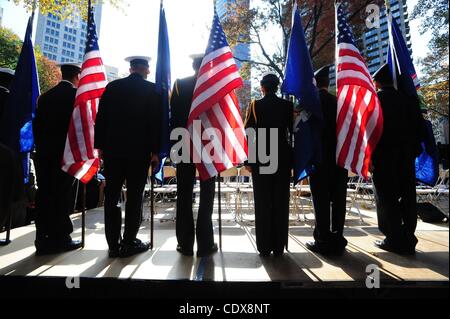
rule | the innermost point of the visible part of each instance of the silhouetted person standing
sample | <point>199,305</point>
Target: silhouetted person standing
<point>127,134</point>
<point>329,181</point>
<point>186,231</point>
<point>271,189</point>
<point>53,114</point>
<point>394,165</point>
<point>11,182</point>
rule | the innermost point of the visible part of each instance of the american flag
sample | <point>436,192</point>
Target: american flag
<point>216,107</point>
<point>359,119</point>
<point>80,158</point>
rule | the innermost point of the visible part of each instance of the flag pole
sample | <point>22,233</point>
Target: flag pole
<point>219,196</point>
<point>152,207</point>
<point>83,218</point>
<point>83,210</point>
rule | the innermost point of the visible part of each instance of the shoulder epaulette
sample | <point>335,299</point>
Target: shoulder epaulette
<point>251,111</point>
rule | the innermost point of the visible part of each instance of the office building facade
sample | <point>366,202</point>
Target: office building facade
<point>376,40</point>
<point>64,41</point>
<point>1,16</point>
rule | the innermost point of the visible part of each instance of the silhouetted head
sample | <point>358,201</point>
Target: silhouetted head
<point>269,83</point>
<point>383,77</point>
<point>322,77</point>
<point>139,65</point>
<point>71,72</point>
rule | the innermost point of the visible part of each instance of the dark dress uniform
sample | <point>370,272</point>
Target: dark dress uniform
<point>4,93</point>
<point>329,184</point>
<point>127,130</point>
<point>394,169</point>
<point>186,232</point>
<point>271,191</point>
<point>53,114</point>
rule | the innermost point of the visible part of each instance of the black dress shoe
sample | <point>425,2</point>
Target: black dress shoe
<point>314,247</point>
<point>205,253</point>
<point>185,252</point>
<point>387,246</point>
<point>72,245</point>
<point>278,253</point>
<point>133,248</point>
<point>396,249</point>
<point>114,253</point>
<point>323,249</point>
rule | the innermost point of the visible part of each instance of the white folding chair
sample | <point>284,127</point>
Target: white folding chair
<point>245,189</point>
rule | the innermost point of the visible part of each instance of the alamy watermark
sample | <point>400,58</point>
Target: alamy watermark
<point>373,277</point>
<point>211,145</point>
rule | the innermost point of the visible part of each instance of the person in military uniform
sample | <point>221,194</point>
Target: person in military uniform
<point>393,165</point>
<point>53,114</point>
<point>6,77</point>
<point>271,191</point>
<point>329,181</point>
<point>10,178</point>
<point>127,135</point>
<point>186,232</point>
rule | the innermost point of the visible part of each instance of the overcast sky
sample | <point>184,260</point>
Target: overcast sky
<point>134,32</point>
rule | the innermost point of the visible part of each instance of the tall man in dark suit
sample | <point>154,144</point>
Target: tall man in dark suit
<point>127,135</point>
<point>54,110</point>
<point>181,101</point>
<point>10,172</point>
<point>394,165</point>
<point>329,182</point>
<point>271,189</point>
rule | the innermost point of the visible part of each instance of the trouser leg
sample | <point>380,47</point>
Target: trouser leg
<point>62,190</point>
<point>43,201</point>
<point>408,203</point>
<point>339,206</point>
<point>115,177</point>
<point>280,210</point>
<point>136,177</point>
<point>204,229</point>
<point>185,220</point>
<point>387,181</point>
<point>262,199</point>
<point>321,201</point>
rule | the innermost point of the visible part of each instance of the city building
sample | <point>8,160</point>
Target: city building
<point>1,16</point>
<point>112,73</point>
<point>64,41</point>
<point>376,40</point>
<point>240,51</point>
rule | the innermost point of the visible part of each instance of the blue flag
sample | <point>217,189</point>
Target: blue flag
<point>16,129</point>
<point>427,164</point>
<point>399,60</point>
<point>405,80</point>
<point>299,82</point>
<point>163,85</point>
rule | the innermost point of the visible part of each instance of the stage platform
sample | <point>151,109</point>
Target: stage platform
<point>238,265</point>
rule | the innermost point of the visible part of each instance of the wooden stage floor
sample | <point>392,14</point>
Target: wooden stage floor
<point>239,260</point>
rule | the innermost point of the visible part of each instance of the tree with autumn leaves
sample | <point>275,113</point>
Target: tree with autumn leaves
<point>64,8</point>
<point>247,26</point>
<point>10,46</point>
